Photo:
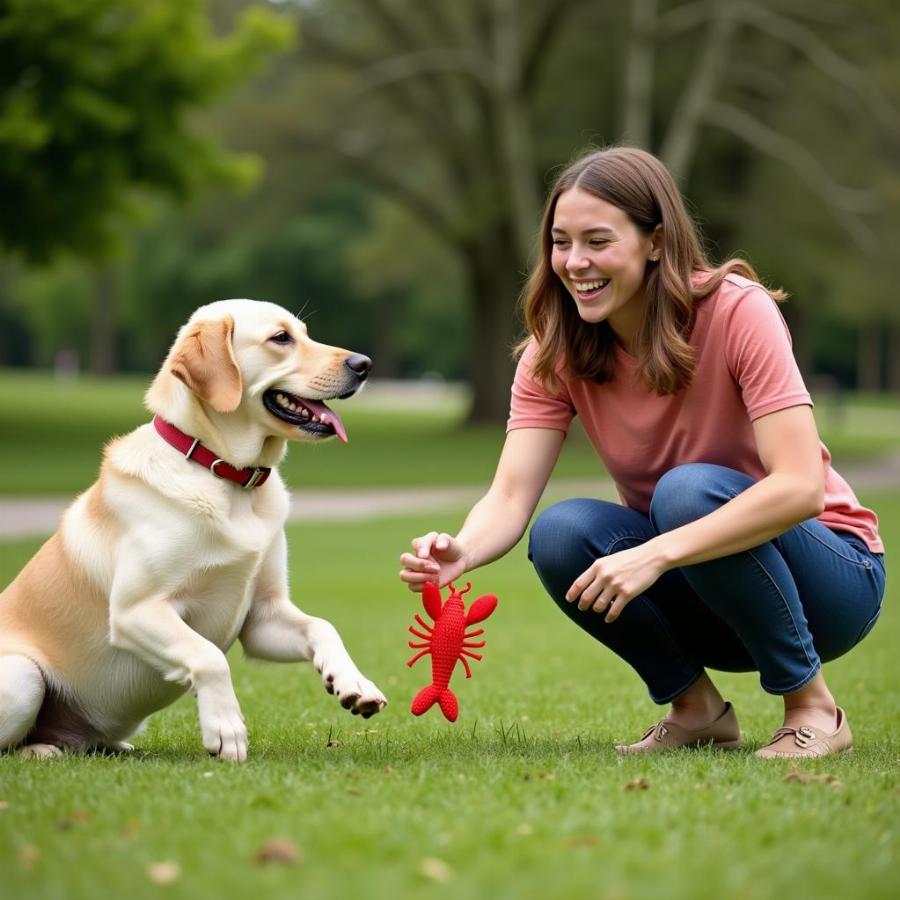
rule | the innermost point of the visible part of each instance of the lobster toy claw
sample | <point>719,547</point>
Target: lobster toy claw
<point>481,609</point>
<point>431,600</point>
<point>447,642</point>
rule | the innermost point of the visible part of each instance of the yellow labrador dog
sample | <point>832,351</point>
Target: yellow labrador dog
<point>178,549</point>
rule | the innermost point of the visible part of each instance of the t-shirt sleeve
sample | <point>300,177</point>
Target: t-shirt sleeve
<point>532,405</point>
<point>758,348</point>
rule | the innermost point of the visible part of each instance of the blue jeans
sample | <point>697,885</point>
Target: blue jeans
<point>781,609</point>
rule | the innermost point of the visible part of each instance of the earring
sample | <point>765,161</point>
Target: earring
<point>654,257</point>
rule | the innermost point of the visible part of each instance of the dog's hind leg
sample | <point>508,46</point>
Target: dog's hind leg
<point>22,690</point>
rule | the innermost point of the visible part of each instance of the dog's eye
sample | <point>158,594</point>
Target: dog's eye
<point>281,337</point>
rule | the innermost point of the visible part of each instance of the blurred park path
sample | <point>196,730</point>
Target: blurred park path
<point>36,516</point>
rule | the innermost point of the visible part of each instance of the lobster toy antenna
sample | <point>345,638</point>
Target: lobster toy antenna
<point>465,590</point>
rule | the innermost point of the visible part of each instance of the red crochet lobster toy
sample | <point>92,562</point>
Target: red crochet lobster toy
<point>447,642</point>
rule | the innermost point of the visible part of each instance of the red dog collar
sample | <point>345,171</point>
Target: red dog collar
<point>251,477</point>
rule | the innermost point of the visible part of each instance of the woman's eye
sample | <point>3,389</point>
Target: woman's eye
<point>282,337</point>
<point>559,242</point>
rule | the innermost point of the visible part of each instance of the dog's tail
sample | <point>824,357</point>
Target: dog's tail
<point>431,694</point>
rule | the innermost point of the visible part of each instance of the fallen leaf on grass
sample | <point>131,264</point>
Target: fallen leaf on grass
<point>797,775</point>
<point>435,869</point>
<point>4,805</point>
<point>584,840</point>
<point>166,872</point>
<point>72,819</point>
<point>277,850</point>
<point>524,829</point>
<point>28,856</point>
<point>332,743</point>
<point>639,784</point>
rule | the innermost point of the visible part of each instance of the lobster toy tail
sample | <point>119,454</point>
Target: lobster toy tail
<point>429,695</point>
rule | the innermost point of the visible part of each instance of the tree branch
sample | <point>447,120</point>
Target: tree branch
<point>683,18</point>
<point>536,47</point>
<point>825,59</point>
<point>358,161</point>
<point>681,137</point>
<point>846,204</point>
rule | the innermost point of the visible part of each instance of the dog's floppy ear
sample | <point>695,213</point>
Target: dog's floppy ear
<point>204,361</point>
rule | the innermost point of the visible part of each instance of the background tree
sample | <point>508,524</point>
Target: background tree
<point>408,145</point>
<point>96,116</point>
<point>457,112</point>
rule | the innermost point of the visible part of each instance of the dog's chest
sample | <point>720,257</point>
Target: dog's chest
<point>215,601</point>
<point>216,596</point>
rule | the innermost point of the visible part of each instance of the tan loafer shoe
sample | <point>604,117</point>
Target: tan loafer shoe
<point>723,734</point>
<point>806,741</point>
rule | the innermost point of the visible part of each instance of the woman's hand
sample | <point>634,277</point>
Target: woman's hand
<point>611,583</point>
<point>436,557</point>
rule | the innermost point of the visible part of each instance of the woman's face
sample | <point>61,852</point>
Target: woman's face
<point>600,256</point>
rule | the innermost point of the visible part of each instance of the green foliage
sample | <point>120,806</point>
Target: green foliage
<point>96,98</point>
<point>522,799</point>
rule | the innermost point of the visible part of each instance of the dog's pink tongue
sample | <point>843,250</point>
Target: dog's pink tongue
<point>331,418</point>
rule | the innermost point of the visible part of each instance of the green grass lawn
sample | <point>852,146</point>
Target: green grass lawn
<point>522,798</point>
<point>51,434</point>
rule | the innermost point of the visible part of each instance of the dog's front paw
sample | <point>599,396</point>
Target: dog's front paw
<point>353,690</point>
<point>223,730</point>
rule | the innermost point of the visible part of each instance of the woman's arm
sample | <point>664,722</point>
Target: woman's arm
<point>497,521</point>
<point>793,490</point>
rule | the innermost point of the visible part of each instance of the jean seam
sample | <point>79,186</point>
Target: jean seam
<point>774,583</point>
<point>862,564</point>
<point>626,537</point>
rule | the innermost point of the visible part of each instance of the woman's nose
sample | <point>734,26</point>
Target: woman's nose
<point>577,261</point>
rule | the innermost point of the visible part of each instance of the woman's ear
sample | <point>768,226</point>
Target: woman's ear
<point>204,361</point>
<point>656,243</point>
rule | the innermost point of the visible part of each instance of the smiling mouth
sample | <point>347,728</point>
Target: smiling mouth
<point>587,290</point>
<point>311,416</point>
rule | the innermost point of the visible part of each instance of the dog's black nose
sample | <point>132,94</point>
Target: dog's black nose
<point>360,365</point>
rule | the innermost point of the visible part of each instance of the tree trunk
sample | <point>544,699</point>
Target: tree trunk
<point>893,380</point>
<point>515,130</point>
<point>103,323</point>
<point>493,288</point>
<point>384,356</point>
<point>869,358</point>
<point>637,113</point>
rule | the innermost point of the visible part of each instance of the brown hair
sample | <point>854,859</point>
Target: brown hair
<point>640,185</point>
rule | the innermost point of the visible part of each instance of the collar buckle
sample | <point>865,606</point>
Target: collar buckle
<point>257,474</point>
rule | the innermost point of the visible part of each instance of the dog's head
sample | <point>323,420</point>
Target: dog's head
<point>258,359</point>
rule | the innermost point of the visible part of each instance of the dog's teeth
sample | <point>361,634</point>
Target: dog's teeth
<point>305,413</point>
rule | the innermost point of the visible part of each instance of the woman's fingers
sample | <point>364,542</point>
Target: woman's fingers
<point>422,545</point>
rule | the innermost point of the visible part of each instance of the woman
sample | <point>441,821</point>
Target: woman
<point>737,546</point>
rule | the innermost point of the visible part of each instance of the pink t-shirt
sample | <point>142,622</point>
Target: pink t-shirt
<point>744,369</point>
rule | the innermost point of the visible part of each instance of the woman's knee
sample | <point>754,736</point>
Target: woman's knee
<point>691,491</point>
<point>554,531</point>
